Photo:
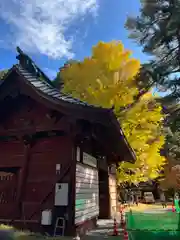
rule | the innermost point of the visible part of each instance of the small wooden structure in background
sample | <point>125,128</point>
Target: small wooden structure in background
<point>55,155</point>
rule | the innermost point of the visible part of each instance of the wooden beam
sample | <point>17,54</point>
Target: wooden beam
<point>72,193</point>
<point>61,125</point>
<point>23,172</point>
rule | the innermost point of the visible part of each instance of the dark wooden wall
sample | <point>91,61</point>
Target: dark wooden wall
<point>34,161</point>
<point>41,178</point>
<point>33,139</point>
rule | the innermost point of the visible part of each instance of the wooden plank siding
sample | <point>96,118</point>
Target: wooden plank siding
<point>87,193</point>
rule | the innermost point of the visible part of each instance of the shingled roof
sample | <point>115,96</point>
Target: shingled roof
<point>47,88</point>
<point>33,74</point>
<point>35,78</point>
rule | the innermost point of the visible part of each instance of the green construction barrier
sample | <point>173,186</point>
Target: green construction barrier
<point>176,204</point>
<point>153,226</point>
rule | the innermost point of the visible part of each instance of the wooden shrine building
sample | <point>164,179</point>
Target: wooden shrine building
<point>57,155</point>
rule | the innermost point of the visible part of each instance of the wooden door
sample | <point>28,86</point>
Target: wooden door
<point>104,208</point>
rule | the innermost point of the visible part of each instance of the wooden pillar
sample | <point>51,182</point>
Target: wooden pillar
<point>22,175</point>
<point>72,184</point>
<point>113,190</point>
<point>104,197</point>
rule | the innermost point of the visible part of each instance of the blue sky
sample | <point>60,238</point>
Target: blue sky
<point>53,31</point>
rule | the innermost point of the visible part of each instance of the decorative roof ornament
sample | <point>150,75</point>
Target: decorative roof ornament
<point>27,63</point>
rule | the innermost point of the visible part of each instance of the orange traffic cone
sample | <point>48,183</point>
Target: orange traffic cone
<point>173,208</point>
<point>76,237</point>
<point>125,235</point>
<point>115,230</point>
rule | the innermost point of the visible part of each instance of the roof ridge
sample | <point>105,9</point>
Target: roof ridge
<point>20,67</point>
<point>31,72</point>
<point>28,64</point>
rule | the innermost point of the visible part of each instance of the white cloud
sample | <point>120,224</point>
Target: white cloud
<point>40,25</point>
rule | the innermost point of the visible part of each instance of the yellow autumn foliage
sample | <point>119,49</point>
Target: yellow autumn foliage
<point>142,125</point>
<point>107,79</point>
<point>104,79</point>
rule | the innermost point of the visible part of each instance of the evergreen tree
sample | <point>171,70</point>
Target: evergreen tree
<point>172,128</point>
<point>157,30</point>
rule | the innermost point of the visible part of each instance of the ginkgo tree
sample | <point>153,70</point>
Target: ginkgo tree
<point>108,79</point>
<point>105,79</point>
<point>143,127</point>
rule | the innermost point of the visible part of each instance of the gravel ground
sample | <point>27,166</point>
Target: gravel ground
<point>104,231</point>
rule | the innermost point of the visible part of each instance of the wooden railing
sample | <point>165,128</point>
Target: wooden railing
<point>7,189</point>
<point>7,195</point>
